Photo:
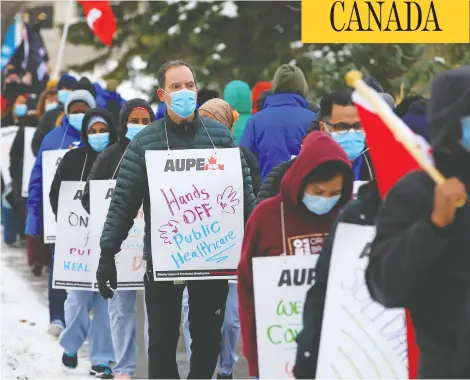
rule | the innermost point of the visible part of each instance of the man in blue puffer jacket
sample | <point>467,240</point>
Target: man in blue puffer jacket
<point>274,134</point>
<point>66,136</point>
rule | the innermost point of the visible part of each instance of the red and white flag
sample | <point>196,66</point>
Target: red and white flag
<point>100,18</point>
<point>391,161</point>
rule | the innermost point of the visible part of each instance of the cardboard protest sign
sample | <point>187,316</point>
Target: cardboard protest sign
<point>196,201</point>
<point>7,135</point>
<point>129,263</point>
<point>28,159</point>
<point>50,161</point>
<point>73,256</point>
<point>280,286</point>
<point>359,338</point>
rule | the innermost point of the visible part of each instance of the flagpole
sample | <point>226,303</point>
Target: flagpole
<point>63,41</point>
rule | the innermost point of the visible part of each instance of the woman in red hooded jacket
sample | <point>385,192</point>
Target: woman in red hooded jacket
<point>313,191</point>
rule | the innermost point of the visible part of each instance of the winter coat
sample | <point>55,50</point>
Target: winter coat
<point>17,159</point>
<point>112,101</point>
<point>274,134</point>
<point>77,163</point>
<point>272,184</point>
<point>252,163</point>
<point>416,265</point>
<point>238,94</point>
<point>264,231</point>
<point>46,124</point>
<point>362,211</point>
<point>108,163</point>
<point>132,182</point>
<point>63,137</point>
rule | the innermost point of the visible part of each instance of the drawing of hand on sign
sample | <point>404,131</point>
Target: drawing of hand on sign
<point>167,231</point>
<point>228,200</point>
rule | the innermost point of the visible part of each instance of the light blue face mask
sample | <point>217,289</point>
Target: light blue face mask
<point>99,141</point>
<point>75,120</point>
<point>133,130</point>
<point>353,142</point>
<point>183,102</point>
<point>21,109</point>
<point>51,106</point>
<point>465,141</point>
<point>320,205</point>
<point>62,95</point>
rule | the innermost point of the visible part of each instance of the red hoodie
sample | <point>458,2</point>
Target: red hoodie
<point>256,91</point>
<point>305,232</point>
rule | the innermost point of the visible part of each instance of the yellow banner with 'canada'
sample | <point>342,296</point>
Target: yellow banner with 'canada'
<point>385,21</point>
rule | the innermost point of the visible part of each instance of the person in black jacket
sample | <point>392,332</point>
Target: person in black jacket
<point>362,211</point>
<point>23,116</point>
<point>77,163</point>
<point>65,86</point>
<point>420,258</point>
<point>134,116</point>
<point>98,131</point>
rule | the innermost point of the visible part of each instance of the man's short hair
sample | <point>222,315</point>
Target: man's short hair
<point>339,98</point>
<point>167,65</point>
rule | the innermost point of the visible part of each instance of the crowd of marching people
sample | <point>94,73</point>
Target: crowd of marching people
<point>305,168</point>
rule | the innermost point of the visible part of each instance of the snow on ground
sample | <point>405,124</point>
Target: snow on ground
<point>27,351</point>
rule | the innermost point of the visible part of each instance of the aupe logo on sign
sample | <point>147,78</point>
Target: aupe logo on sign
<point>192,164</point>
<point>385,21</point>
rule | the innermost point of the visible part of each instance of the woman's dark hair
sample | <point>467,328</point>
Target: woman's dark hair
<point>325,172</point>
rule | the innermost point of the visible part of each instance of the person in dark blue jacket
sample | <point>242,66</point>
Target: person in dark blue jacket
<point>66,136</point>
<point>110,99</point>
<point>274,134</point>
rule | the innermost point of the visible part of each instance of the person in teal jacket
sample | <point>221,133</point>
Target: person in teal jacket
<point>238,94</point>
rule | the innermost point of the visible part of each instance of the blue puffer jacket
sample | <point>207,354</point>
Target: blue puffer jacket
<point>274,134</point>
<point>62,137</point>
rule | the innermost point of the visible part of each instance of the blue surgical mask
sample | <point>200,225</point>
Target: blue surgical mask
<point>62,95</point>
<point>133,130</point>
<point>320,205</point>
<point>51,106</point>
<point>183,102</point>
<point>99,142</point>
<point>465,141</point>
<point>21,109</point>
<point>75,120</point>
<point>352,142</point>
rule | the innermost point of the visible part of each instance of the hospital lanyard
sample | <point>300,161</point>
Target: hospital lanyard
<point>208,135</point>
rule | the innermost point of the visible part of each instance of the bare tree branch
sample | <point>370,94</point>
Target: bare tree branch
<point>293,8</point>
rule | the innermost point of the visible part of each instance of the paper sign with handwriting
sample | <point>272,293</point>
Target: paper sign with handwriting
<point>7,136</point>
<point>359,338</point>
<point>73,256</point>
<point>129,263</point>
<point>50,162</point>
<point>196,201</point>
<point>28,159</point>
<point>280,286</point>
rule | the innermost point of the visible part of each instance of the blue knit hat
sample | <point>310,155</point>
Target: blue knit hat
<point>67,81</point>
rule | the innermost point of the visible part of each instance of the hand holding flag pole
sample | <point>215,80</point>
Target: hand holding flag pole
<point>354,80</point>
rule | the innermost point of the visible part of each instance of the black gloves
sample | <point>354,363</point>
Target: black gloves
<point>106,272</point>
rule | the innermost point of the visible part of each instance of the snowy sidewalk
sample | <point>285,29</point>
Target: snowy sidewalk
<point>28,352</point>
